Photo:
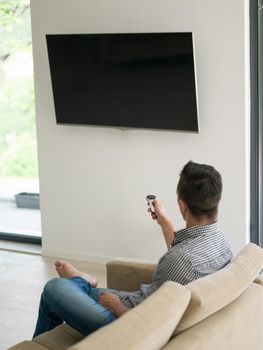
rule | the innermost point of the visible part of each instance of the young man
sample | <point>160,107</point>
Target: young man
<point>193,252</point>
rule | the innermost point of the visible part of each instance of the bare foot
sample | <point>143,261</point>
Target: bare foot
<point>66,270</point>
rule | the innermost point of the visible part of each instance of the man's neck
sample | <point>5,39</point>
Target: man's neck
<point>193,221</point>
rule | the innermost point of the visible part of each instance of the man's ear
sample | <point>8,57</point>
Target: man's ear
<point>183,206</point>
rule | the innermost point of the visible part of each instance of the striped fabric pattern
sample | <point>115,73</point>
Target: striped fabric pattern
<point>195,252</point>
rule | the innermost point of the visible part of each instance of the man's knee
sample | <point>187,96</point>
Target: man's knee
<point>53,287</point>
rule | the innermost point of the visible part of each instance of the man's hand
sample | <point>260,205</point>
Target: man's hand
<point>108,299</point>
<point>160,216</point>
<point>159,213</point>
<point>112,302</point>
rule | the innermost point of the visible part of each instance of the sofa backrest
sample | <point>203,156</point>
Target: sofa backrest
<point>213,292</point>
<point>236,326</point>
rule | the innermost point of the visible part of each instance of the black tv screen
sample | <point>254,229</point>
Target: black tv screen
<point>137,80</point>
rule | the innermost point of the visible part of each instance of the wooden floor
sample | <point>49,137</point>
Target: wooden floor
<point>22,277</point>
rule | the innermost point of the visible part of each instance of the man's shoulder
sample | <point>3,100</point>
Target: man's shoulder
<point>206,246</point>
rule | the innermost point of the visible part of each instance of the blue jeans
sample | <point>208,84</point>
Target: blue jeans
<point>73,301</point>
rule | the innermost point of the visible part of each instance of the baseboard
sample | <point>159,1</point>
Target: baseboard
<point>20,247</point>
<point>95,262</point>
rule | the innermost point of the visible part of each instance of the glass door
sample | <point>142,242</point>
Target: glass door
<point>19,188</point>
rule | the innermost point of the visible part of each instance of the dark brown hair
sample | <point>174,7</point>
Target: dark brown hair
<point>200,187</point>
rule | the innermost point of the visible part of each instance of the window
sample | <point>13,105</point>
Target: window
<point>18,146</point>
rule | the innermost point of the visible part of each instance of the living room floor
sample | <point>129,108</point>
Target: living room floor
<point>22,277</point>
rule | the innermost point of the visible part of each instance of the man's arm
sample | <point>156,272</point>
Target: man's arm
<point>162,219</point>
<point>168,231</point>
<point>112,302</point>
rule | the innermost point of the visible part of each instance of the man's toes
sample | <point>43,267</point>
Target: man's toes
<point>59,271</point>
<point>59,264</point>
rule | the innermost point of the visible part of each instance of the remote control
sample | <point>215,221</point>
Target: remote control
<point>150,198</point>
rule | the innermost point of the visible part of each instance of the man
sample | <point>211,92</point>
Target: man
<point>193,252</point>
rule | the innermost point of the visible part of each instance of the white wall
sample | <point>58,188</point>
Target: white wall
<point>93,181</point>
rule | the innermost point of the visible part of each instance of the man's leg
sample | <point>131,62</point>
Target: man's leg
<point>70,300</point>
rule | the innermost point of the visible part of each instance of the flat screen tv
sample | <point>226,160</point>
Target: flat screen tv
<point>135,80</point>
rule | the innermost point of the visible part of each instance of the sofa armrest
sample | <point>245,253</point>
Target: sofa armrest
<point>128,274</point>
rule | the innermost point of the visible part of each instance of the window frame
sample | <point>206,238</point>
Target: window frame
<point>256,160</point>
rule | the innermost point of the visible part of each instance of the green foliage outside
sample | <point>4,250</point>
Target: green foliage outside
<point>18,150</point>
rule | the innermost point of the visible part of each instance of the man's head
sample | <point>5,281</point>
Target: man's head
<point>200,188</point>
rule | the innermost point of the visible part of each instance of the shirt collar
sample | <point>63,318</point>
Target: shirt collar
<point>194,231</point>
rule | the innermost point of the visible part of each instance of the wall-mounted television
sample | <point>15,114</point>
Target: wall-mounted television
<point>127,80</point>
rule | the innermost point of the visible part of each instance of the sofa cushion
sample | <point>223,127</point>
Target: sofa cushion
<point>148,326</point>
<point>259,280</point>
<point>59,338</point>
<point>213,292</point>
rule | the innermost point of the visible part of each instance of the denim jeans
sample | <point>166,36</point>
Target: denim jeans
<point>73,301</point>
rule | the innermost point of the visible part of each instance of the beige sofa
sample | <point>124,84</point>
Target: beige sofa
<point>220,311</point>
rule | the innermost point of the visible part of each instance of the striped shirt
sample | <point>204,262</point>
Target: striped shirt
<point>195,252</point>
